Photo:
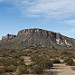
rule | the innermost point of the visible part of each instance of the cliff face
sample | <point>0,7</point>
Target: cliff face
<point>40,31</point>
<point>28,31</point>
<point>33,37</point>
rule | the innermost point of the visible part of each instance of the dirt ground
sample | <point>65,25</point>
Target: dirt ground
<point>60,69</point>
<point>27,60</point>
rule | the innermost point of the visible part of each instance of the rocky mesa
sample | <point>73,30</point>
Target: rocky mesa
<point>36,36</point>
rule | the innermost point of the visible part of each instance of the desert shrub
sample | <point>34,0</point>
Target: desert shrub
<point>21,70</point>
<point>16,55</point>
<point>1,70</point>
<point>73,64</point>
<point>8,62</point>
<point>11,61</point>
<point>4,69</point>
<point>69,61</point>
<point>56,61</point>
<point>62,57</point>
<point>10,68</point>
<point>46,64</point>
<point>37,69</point>
<point>66,53</point>
<point>24,70</point>
<point>30,65</point>
<point>20,61</point>
<point>37,58</point>
<point>43,61</point>
<point>18,71</point>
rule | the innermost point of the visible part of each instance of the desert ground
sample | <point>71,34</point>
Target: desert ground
<point>61,68</point>
<point>58,69</point>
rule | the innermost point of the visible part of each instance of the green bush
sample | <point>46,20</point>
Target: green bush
<point>21,70</point>
<point>1,70</point>
<point>20,61</point>
<point>46,64</point>
<point>16,55</point>
<point>24,70</point>
<point>10,68</point>
<point>18,71</point>
<point>8,62</point>
<point>69,61</point>
<point>42,61</point>
<point>56,61</point>
<point>37,69</point>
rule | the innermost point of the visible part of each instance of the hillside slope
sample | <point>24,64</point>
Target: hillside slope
<point>37,37</point>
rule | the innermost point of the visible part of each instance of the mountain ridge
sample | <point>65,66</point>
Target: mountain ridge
<point>38,37</point>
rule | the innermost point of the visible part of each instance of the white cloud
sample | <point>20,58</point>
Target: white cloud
<point>1,1</point>
<point>49,8</point>
<point>46,8</point>
<point>70,22</point>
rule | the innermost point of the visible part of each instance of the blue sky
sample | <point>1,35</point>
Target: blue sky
<point>53,15</point>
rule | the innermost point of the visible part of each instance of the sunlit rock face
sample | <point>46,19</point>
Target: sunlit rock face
<point>63,42</point>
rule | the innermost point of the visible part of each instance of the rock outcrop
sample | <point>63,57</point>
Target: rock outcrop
<point>36,30</point>
<point>8,36</point>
